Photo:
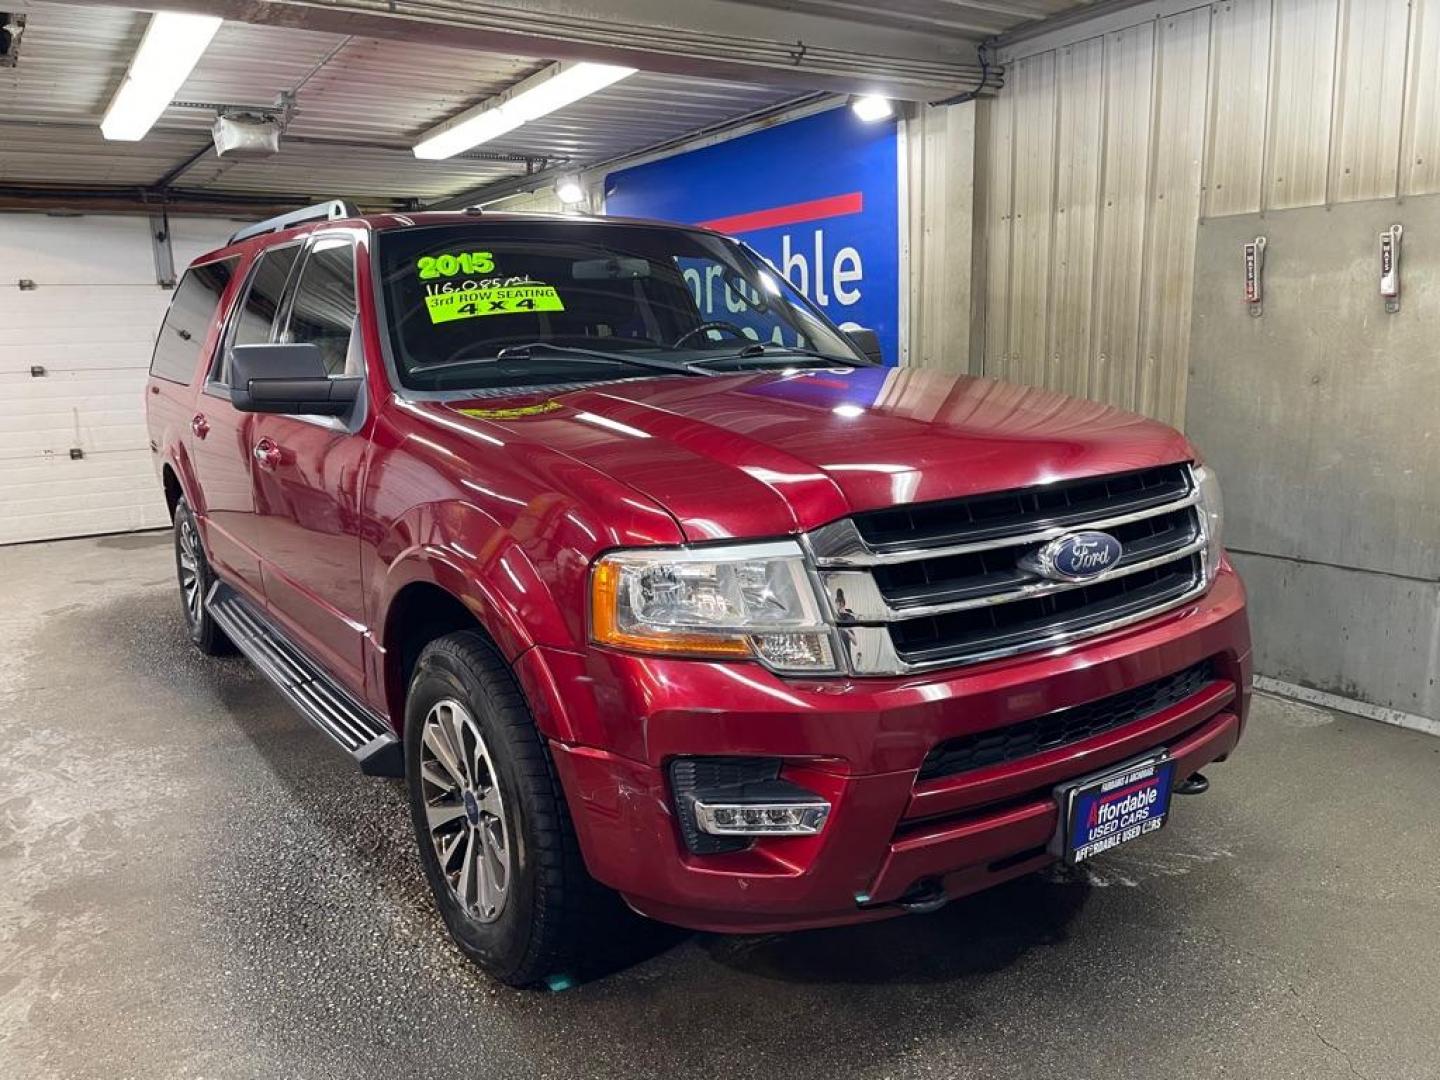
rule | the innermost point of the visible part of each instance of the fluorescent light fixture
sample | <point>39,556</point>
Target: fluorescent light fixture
<point>871,107</point>
<point>850,411</point>
<point>541,94</point>
<point>569,191</point>
<point>172,45</point>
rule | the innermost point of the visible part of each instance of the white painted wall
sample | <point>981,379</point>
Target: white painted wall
<point>90,322</point>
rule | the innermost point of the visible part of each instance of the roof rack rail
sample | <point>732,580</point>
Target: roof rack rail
<point>332,210</point>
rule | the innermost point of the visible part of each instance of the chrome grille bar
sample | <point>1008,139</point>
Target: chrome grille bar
<point>864,603</point>
<point>840,545</point>
<point>934,614</point>
<point>872,650</point>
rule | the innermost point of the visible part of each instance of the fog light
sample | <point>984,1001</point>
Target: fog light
<point>761,819</point>
<point>724,804</point>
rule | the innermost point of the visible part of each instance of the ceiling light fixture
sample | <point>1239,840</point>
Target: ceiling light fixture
<point>541,94</point>
<point>569,191</point>
<point>172,45</point>
<point>871,107</point>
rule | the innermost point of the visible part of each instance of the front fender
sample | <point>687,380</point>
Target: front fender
<point>496,580</point>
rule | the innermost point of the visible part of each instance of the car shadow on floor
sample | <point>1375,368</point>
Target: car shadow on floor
<point>973,935</point>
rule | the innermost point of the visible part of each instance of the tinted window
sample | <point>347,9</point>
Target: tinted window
<point>523,304</point>
<point>182,334</point>
<point>257,312</point>
<point>323,311</point>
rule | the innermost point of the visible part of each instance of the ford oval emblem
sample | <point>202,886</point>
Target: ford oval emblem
<point>1075,556</point>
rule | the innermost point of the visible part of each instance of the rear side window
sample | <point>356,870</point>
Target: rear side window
<point>256,318</point>
<point>192,309</point>
<point>323,312</point>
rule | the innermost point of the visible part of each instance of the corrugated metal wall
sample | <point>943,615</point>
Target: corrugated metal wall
<point>1104,152</point>
<point>943,248</point>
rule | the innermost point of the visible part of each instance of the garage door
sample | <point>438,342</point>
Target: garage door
<point>74,351</point>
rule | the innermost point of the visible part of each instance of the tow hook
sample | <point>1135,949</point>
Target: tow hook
<point>920,899</point>
<point>924,897</point>
<point>1195,784</point>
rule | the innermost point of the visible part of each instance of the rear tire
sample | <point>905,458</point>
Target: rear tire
<point>494,832</point>
<point>196,578</point>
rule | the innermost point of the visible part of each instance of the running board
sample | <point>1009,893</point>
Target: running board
<point>356,729</point>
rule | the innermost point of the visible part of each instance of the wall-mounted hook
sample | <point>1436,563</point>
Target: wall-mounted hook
<point>1390,267</point>
<point>1254,272</point>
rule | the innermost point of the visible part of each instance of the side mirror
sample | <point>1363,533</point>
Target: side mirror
<point>868,342</point>
<point>288,379</point>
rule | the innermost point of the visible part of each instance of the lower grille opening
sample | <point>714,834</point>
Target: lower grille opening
<point>914,827</point>
<point>1067,726</point>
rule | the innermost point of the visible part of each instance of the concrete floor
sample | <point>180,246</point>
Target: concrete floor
<point>193,884</point>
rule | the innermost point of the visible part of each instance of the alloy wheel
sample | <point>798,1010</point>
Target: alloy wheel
<point>191,579</point>
<point>464,810</point>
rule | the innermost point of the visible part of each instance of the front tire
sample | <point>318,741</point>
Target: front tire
<point>494,832</point>
<point>196,577</point>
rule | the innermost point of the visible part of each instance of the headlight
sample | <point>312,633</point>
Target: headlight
<point>739,601</point>
<point>1212,517</point>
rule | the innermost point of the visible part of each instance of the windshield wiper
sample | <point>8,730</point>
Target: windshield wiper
<point>523,352</point>
<point>761,349</point>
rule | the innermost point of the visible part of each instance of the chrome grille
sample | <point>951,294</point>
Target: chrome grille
<point>941,583</point>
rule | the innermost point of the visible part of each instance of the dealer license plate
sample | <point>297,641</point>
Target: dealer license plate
<point>1101,812</point>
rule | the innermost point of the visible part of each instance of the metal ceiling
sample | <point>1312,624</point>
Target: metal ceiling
<point>362,102</point>
<point>973,19</point>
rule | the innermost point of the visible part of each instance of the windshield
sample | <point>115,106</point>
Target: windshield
<point>482,305</point>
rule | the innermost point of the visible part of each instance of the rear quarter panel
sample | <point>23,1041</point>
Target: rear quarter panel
<point>167,409</point>
<point>169,405</point>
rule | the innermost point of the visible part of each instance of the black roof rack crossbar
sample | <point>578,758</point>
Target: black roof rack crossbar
<point>332,210</point>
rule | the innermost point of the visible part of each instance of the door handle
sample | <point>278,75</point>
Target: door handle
<point>267,453</point>
<point>199,425</point>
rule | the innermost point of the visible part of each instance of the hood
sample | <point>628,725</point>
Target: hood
<point>770,453</point>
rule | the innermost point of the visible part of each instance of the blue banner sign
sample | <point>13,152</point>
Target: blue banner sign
<point>818,197</point>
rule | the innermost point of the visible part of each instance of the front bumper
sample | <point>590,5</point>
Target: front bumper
<point>859,743</point>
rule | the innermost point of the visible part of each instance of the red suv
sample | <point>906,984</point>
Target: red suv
<point>642,573</point>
